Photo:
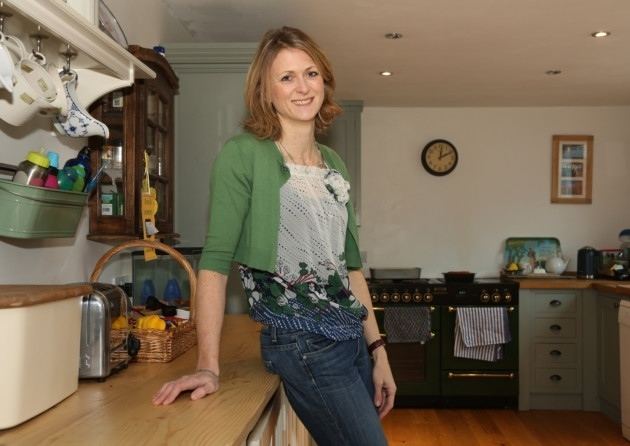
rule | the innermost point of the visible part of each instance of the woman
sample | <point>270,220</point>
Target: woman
<point>280,209</point>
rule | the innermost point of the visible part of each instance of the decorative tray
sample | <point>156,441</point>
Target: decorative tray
<point>535,250</point>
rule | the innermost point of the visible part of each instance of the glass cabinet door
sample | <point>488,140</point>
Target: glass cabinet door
<point>140,120</point>
<point>157,134</point>
<point>111,188</point>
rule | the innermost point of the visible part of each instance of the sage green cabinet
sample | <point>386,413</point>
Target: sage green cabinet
<point>608,354</point>
<point>569,357</point>
<point>551,356</point>
<point>344,136</point>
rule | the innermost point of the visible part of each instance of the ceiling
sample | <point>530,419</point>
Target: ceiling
<point>453,52</point>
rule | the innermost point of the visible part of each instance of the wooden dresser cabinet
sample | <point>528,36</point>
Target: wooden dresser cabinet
<point>140,118</point>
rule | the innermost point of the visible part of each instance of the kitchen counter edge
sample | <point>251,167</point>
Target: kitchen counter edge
<point>606,286</point>
<point>119,410</point>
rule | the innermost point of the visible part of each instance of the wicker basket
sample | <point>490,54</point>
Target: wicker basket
<point>157,345</point>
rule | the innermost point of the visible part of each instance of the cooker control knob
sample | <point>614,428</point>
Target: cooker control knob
<point>417,297</point>
<point>385,297</point>
<point>395,297</point>
<point>507,297</point>
<point>428,297</point>
<point>406,298</point>
<point>485,297</point>
<point>374,297</point>
<point>496,297</point>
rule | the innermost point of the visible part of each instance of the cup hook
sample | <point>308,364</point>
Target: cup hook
<point>69,54</point>
<point>37,51</point>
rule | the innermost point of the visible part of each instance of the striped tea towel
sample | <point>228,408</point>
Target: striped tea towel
<point>407,324</point>
<point>480,333</point>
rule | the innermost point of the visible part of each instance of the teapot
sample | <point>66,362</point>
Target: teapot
<point>556,264</point>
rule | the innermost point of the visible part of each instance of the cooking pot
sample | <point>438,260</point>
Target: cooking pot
<point>458,277</point>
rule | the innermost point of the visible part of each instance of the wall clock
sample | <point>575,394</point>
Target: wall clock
<point>439,157</point>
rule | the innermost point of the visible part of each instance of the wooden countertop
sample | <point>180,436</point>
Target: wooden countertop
<point>607,286</point>
<point>119,410</point>
<point>14,296</point>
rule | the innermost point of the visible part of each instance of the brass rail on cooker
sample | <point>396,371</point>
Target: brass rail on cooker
<point>454,309</point>
<point>431,308</point>
<point>452,375</point>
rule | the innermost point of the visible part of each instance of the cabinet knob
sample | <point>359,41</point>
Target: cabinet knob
<point>555,353</point>
<point>555,378</point>
<point>555,303</point>
<point>555,327</point>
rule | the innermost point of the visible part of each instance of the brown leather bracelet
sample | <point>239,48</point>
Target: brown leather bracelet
<point>374,345</point>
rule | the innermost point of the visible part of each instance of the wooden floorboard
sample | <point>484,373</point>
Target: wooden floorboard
<point>481,427</point>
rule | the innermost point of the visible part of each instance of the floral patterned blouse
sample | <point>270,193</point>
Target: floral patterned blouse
<point>309,289</point>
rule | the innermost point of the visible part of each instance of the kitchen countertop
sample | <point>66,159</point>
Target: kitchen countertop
<point>15,296</point>
<point>607,286</point>
<point>119,410</point>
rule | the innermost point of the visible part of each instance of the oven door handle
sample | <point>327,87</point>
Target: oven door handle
<point>431,335</point>
<point>452,375</point>
<point>454,309</point>
<point>431,309</point>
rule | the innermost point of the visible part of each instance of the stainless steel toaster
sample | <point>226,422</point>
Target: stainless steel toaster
<point>98,311</point>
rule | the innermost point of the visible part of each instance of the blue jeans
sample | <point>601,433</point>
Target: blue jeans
<point>328,383</point>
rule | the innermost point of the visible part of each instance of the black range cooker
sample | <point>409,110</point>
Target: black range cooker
<point>428,374</point>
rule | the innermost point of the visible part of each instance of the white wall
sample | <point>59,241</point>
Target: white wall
<point>147,22</point>
<point>59,260</point>
<point>209,110</point>
<point>500,188</point>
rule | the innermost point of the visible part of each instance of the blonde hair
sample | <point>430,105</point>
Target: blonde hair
<point>263,120</point>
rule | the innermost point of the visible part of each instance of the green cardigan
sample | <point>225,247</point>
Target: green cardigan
<point>245,206</point>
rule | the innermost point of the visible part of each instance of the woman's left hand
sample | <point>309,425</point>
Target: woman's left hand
<point>384,385</point>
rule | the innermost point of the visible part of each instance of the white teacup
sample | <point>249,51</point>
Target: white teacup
<point>59,105</point>
<point>6,65</point>
<point>33,88</point>
<point>78,123</point>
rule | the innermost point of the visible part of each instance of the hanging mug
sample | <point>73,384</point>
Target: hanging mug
<point>33,88</point>
<point>59,105</point>
<point>6,65</point>
<point>78,123</point>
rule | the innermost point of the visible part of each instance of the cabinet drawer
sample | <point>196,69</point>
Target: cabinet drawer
<point>558,380</point>
<point>555,327</point>
<point>557,303</point>
<point>556,354</point>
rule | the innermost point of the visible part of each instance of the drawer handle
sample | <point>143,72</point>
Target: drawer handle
<point>555,353</point>
<point>555,303</point>
<point>555,378</point>
<point>555,327</point>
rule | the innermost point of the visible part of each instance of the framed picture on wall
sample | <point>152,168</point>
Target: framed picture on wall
<point>572,169</point>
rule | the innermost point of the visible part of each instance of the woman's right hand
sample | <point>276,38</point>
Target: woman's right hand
<point>202,383</point>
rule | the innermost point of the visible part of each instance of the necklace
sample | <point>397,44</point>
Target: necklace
<point>321,162</point>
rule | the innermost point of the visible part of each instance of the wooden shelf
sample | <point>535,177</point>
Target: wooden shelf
<point>102,64</point>
<point>169,239</point>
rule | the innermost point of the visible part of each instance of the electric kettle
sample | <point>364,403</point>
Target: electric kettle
<point>587,262</point>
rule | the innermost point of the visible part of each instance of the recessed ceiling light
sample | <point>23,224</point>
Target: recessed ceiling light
<point>553,72</point>
<point>393,36</point>
<point>386,73</point>
<point>601,34</point>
